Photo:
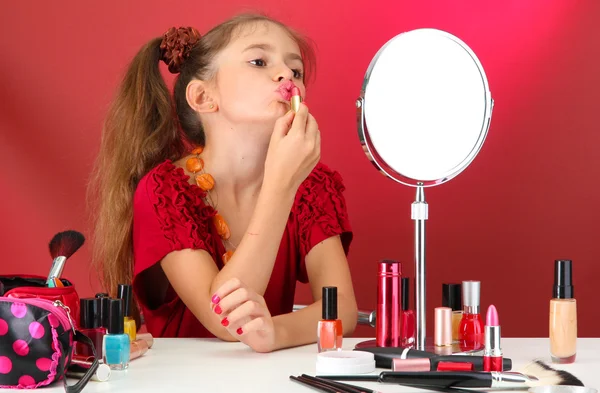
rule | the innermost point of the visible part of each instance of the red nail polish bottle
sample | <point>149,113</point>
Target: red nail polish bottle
<point>471,330</point>
<point>329,330</point>
<point>90,325</point>
<point>408,317</point>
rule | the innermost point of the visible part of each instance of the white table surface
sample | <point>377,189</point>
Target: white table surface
<point>213,366</point>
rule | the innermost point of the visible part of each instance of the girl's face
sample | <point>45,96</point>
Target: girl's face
<point>255,74</point>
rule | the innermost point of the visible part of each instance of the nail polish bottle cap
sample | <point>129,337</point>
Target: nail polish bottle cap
<point>329,301</point>
<point>470,292</point>
<point>563,280</point>
<point>116,321</point>
<point>89,313</point>
<point>124,292</point>
<point>405,290</point>
<point>103,308</point>
<point>452,296</point>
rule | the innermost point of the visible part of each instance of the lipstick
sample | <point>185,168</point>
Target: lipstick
<point>296,99</point>
<point>427,364</point>
<point>386,356</point>
<point>492,355</point>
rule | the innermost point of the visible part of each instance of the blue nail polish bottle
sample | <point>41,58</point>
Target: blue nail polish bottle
<point>115,347</point>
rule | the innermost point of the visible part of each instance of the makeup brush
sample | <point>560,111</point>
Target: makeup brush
<point>62,246</point>
<point>538,374</point>
<point>347,388</point>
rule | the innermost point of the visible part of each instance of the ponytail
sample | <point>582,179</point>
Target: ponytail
<point>140,132</point>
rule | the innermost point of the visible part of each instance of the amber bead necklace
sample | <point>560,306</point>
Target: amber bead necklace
<point>206,182</point>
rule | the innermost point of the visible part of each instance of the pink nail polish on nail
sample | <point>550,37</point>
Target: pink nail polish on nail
<point>218,309</point>
<point>215,299</point>
<point>225,322</point>
<point>239,331</point>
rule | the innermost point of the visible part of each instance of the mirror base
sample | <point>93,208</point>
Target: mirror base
<point>453,349</point>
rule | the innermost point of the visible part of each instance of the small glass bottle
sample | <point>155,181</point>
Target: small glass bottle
<point>452,297</point>
<point>408,328</point>
<point>329,330</point>
<point>116,346</point>
<point>89,324</point>
<point>125,293</point>
<point>471,332</point>
<point>563,315</point>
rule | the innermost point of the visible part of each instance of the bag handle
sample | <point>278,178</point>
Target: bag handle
<point>78,387</point>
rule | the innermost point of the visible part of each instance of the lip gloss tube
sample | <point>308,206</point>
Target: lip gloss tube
<point>389,297</point>
<point>296,99</point>
<point>492,354</point>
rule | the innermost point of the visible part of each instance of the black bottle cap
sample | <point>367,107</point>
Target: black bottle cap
<point>329,300</point>
<point>103,308</point>
<point>563,280</point>
<point>452,296</point>
<point>405,283</point>
<point>116,321</point>
<point>89,313</point>
<point>124,292</point>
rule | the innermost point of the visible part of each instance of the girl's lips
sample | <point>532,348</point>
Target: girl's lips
<point>287,90</point>
<point>286,94</point>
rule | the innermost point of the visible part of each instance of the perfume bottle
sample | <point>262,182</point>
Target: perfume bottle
<point>89,323</point>
<point>116,345</point>
<point>329,330</point>
<point>452,297</point>
<point>563,314</point>
<point>471,330</point>
<point>125,293</point>
<point>408,317</point>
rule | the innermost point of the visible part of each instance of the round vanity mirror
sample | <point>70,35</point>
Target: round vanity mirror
<point>425,107</point>
<point>423,114</point>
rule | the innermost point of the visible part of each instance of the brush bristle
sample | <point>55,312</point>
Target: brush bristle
<point>64,244</point>
<point>546,375</point>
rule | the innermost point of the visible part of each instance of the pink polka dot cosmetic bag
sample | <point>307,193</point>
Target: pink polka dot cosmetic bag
<point>36,340</point>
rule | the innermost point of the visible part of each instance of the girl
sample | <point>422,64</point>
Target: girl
<point>213,201</point>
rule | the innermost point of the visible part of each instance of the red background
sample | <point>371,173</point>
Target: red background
<point>531,195</point>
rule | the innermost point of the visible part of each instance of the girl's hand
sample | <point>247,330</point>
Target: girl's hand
<point>294,149</point>
<point>245,315</point>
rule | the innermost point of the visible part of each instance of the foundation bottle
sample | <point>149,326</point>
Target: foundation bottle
<point>563,314</point>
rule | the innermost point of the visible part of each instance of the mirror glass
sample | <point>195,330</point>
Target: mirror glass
<point>425,107</point>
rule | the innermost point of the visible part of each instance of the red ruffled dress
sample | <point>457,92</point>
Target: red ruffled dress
<point>169,214</point>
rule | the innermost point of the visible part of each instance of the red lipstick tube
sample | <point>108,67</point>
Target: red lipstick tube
<point>492,354</point>
<point>389,298</point>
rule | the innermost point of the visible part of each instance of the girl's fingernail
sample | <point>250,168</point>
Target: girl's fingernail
<point>218,309</point>
<point>225,322</point>
<point>239,331</point>
<point>215,299</point>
